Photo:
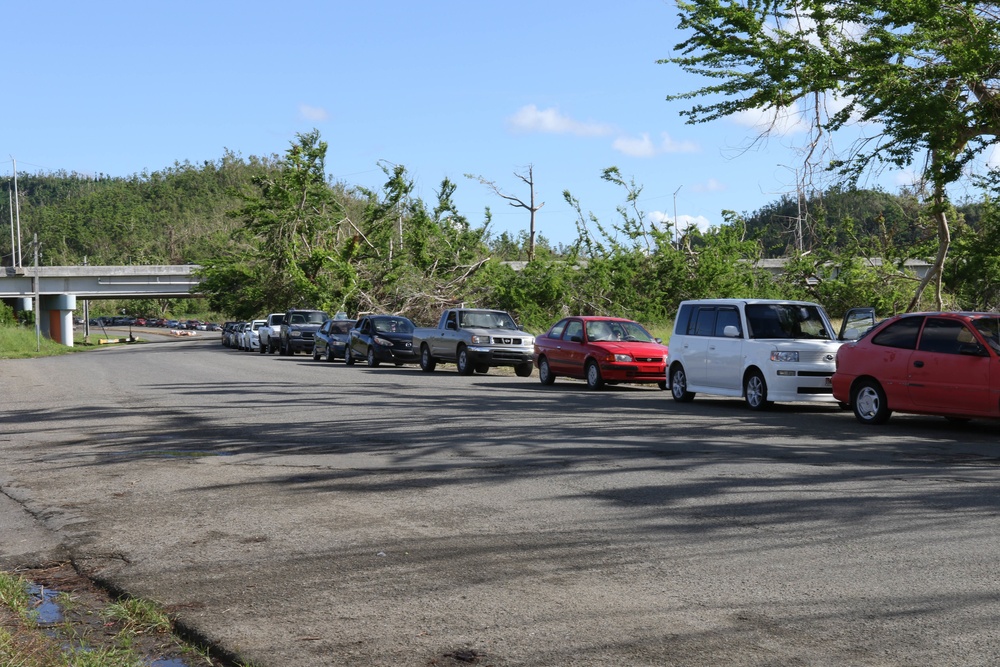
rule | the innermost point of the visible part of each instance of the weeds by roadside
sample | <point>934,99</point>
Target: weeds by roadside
<point>88,629</point>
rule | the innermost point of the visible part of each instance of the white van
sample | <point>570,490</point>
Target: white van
<point>758,349</point>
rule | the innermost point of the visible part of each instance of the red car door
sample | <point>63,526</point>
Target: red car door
<point>949,372</point>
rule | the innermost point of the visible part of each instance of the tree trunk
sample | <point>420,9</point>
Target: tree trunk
<point>944,243</point>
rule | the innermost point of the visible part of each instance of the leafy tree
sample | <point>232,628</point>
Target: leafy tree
<point>926,73</point>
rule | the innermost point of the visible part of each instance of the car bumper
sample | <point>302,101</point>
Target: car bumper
<point>500,357</point>
<point>633,372</point>
<point>395,355</point>
<point>301,344</point>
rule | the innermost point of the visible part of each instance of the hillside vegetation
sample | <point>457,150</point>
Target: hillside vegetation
<point>274,232</point>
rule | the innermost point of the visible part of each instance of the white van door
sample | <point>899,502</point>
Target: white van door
<point>724,357</point>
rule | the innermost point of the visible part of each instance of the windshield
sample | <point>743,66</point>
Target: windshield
<point>605,330</point>
<point>989,327</point>
<point>393,325</point>
<point>487,320</point>
<point>341,326</point>
<point>786,320</point>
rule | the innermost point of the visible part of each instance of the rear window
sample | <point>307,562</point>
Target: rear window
<point>901,334</point>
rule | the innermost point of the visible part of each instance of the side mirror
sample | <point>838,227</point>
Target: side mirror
<point>576,339</point>
<point>450,325</point>
<point>731,331</point>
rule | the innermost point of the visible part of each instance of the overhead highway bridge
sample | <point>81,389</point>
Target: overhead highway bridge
<point>58,287</point>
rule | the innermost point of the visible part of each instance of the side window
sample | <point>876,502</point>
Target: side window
<point>727,317</point>
<point>901,334</point>
<point>945,337</point>
<point>683,319</point>
<point>574,328</point>
<point>451,322</point>
<point>557,330</point>
<point>704,323</point>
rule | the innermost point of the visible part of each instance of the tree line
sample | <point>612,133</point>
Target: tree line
<point>276,232</point>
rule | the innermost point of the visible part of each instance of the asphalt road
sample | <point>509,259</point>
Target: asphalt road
<point>304,513</point>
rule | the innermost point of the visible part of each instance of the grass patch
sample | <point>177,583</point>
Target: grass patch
<point>94,630</point>
<point>18,342</point>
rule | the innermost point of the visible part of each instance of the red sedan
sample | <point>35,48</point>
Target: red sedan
<point>599,350</point>
<point>944,364</point>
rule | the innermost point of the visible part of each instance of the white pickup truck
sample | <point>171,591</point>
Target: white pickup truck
<point>268,333</point>
<point>475,340</point>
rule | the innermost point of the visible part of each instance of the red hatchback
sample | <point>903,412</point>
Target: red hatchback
<point>944,364</point>
<point>599,350</point>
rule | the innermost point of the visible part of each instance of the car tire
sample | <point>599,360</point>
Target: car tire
<point>678,385</point>
<point>524,370</point>
<point>329,355</point>
<point>260,348</point>
<point>315,353</point>
<point>465,366</point>
<point>427,362</point>
<point>370,358</point>
<point>348,356</point>
<point>662,384</point>
<point>483,369</point>
<point>870,405</point>
<point>593,373</point>
<point>545,374</point>
<point>755,391</point>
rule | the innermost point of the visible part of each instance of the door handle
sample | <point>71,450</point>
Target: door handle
<point>918,364</point>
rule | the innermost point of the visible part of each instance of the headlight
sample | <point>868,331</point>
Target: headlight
<point>529,340</point>
<point>378,340</point>
<point>778,355</point>
<point>295,334</point>
<point>623,357</point>
<point>480,340</point>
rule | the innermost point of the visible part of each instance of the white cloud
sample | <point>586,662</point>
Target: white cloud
<point>313,113</point>
<point>711,185</point>
<point>906,178</point>
<point>643,146</point>
<point>550,121</point>
<point>684,222</point>
<point>782,121</point>
<point>993,157</point>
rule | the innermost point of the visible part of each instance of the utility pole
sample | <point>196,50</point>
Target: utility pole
<point>677,240</point>
<point>38,303</point>
<point>17,205</point>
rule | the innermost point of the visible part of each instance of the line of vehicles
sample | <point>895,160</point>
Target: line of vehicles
<point>758,350</point>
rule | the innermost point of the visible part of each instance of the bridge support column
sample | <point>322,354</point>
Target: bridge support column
<point>56,321</point>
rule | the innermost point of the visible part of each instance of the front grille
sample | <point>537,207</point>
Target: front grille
<point>811,357</point>
<point>506,340</point>
<point>504,355</point>
<point>650,360</point>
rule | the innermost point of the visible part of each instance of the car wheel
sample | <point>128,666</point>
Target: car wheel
<point>678,385</point>
<point>594,379</point>
<point>349,356</point>
<point>662,384</point>
<point>370,358</point>
<point>755,391</point>
<point>545,374</point>
<point>260,348</point>
<point>482,369</point>
<point>524,370</point>
<point>870,406</point>
<point>315,353</point>
<point>464,365</point>
<point>329,355</point>
<point>427,362</point>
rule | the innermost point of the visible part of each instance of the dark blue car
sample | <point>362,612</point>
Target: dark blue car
<point>331,339</point>
<point>382,338</point>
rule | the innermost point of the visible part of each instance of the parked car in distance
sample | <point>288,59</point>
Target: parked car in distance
<point>925,363</point>
<point>251,341</point>
<point>382,338</point>
<point>758,349</point>
<point>475,340</point>
<point>600,350</point>
<point>297,331</point>
<point>331,339</point>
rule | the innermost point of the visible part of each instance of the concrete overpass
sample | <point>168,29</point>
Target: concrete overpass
<point>58,288</point>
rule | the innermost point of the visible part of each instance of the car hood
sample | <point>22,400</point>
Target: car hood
<point>632,347</point>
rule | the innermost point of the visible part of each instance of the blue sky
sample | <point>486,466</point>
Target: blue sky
<point>444,88</point>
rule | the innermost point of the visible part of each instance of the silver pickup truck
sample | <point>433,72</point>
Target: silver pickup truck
<point>475,340</point>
